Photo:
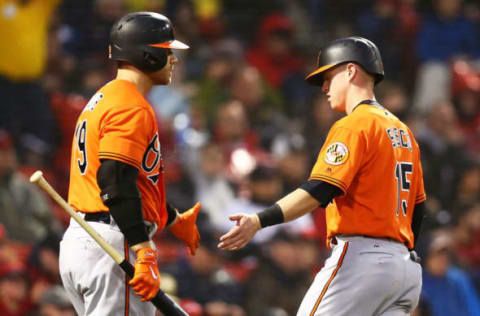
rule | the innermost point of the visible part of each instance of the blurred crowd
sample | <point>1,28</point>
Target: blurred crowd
<point>239,128</point>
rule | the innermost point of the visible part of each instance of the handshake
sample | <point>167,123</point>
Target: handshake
<point>146,281</point>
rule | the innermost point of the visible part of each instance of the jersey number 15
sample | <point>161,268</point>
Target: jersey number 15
<point>402,169</point>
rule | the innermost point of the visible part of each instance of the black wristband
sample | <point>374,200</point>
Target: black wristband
<point>270,216</point>
<point>172,213</point>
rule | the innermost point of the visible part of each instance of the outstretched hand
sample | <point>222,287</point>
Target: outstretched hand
<point>240,234</point>
<point>185,228</point>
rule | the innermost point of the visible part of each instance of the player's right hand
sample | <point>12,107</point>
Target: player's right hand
<point>146,280</point>
<point>240,234</point>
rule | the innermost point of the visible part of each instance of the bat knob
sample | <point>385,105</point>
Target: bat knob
<point>36,176</point>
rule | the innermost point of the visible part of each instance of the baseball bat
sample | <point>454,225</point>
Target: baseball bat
<point>164,303</point>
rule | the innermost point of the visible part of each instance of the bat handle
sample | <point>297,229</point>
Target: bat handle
<point>161,300</point>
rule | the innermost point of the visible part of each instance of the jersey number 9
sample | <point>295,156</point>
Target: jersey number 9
<point>81,137</point>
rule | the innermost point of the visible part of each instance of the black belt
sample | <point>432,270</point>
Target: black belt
<point>100,217</point>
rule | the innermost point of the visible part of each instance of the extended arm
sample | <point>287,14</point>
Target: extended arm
<point>297,203</point>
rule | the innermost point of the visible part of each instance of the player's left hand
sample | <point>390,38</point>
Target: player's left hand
<point>240,234</point>
<point>185,228</point>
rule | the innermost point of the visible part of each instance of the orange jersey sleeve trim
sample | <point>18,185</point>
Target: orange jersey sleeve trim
<point>341,185</point>
<point>421,198</point>
<point>123,149</point>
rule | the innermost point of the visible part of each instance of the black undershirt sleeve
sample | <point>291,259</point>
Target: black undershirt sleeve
<point>119,191</point>
<point>417,219</point>
<point>322,191</point>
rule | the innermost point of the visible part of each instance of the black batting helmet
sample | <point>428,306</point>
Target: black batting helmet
<point>354,49</point>
<point>142,39</point>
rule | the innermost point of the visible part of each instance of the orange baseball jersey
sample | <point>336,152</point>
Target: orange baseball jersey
<point>117,123</point>
<point>374,159</point>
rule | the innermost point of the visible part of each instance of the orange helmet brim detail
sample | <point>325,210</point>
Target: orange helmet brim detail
<point>320,70</point>
<point>171,44</point>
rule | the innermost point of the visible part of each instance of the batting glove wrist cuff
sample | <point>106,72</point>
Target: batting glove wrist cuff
<point>146,254</point>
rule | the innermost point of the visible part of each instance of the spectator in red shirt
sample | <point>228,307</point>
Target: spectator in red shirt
<point>273,53</point>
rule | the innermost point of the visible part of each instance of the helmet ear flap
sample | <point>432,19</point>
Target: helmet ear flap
<point>154,59</point>
<point>150,59</point>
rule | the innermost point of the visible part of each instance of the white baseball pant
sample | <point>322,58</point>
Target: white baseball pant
<point>364,277</point>
<point>96,285</point>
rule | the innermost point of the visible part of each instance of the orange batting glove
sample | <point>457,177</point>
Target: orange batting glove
<point>185,228</point>
<point>146,280</point>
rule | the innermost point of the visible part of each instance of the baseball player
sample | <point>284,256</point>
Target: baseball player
<point>116,177</point>
<point>369,178</point>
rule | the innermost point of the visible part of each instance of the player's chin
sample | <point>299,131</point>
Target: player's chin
<point>335,106</point>
<point>163,81</point>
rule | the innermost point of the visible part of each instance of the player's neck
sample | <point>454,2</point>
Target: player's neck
<point>144,83</point>
<point>357,95</point>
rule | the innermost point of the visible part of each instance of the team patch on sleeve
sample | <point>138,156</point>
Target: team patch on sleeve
<point>336,154</point>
